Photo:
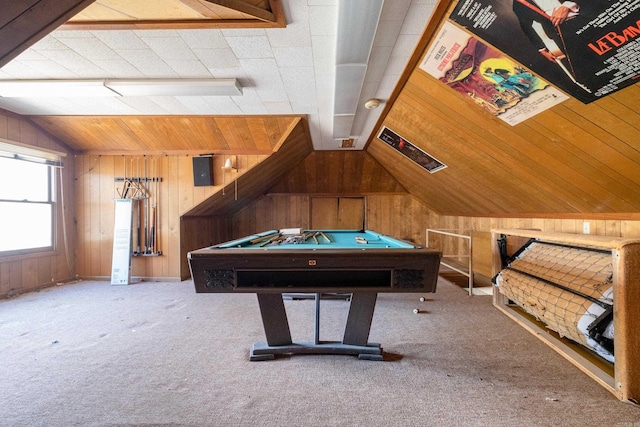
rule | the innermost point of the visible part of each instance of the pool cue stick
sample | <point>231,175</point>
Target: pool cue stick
<point>263,238</point>
<point>155,206</point>
<point>326,238</point>
<point>138,220</point>
<point>315,239</point>
<point>146,210</point>
<point>124,181</point>
<point>271,240</point>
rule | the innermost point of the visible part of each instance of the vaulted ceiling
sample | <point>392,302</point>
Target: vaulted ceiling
<point>573,159</point>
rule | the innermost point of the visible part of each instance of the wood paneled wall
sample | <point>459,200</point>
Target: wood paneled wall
<point>405,217</point>
<point>176,194</point>
<point>29,272</point>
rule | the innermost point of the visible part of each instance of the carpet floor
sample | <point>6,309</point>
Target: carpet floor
<point>158,354</point>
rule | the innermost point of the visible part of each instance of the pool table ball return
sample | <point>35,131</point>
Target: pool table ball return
<point>357,262</point>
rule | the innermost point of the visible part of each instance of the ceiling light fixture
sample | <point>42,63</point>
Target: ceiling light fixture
<point>175,87</point>
<point>53,88</point>
<point>372,103</point>
<point>118,87</point>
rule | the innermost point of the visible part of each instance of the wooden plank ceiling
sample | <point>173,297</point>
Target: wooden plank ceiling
<point>168,134</point>
<point>573,159</point>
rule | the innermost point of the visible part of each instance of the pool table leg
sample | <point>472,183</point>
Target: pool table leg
<point>356,331</point>
<point>274,319</point>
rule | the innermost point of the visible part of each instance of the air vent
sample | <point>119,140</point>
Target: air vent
<point>347,143</point>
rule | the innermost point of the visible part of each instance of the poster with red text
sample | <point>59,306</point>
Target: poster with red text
<point>490,78</point>
<point>587,48</point>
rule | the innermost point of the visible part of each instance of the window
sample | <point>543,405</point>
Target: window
<point>26,200</point>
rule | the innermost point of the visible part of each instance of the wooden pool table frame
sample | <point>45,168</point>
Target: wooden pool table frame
<point>361,270</point>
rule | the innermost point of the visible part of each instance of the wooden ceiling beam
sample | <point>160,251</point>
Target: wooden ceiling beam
<point>24,22</point>
<point>246,8</point>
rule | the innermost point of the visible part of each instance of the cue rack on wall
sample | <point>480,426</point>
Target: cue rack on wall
<point>141,183</point>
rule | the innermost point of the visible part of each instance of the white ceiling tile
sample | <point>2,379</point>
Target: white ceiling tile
<point>295,34</point>
<point>155,33</point>
<point>196,105</point>
<point>76,64</point>
<point>117,40</point>
<point>243,32</point>
<point>324,86</point>
<point>250,47</point>
<point>404,46</point>
<point>204,39</point>
<point>249,102</point>
<point>223,104</point>
<point>29,55</point>
<point>118,68</point>
<point>387,84</point>
<point>293,56</point>
<point>430,2</point>
<point>228,73</point>
<point>30,106</point>
<point>22,69</point>
<point>387,33</point>
<point>273,96</point>
<point>48,43</point>
<point>148,63</point>
<point>278,107</point>
<point>217,58</point>
<point>378,61</point>
<point>90,47</point>
<point>298,77</point>
<point>49,70</point>
<point>189,69</point>
<point>324,54</point>
<point>170,48</point>
<point>417,19</point>
<point>271,82</point>
<point>323,20</point>
<point>144,105</point>
<point>172,104</point>
<point>395,10</point>
<point>266,66</point>
<point>71,33</point>
<point>322,2</point>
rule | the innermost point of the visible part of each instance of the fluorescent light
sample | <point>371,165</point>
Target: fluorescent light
<point>118,87</point>
<point>176,87</point>
<point>357,24</point>
<point>53,88</point>
<point>349,80</point>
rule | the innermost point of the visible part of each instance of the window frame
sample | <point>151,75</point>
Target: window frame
<point>51,166</point>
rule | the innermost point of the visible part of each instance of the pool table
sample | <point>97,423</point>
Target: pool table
<point>358,262</point>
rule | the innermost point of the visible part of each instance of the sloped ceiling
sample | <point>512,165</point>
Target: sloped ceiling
<point>292,150</point>
<point>573,159</point>
<point>22,23</point>
<point>167,134</point>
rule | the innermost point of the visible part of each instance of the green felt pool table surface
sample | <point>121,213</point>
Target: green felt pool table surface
<point>337,239</point>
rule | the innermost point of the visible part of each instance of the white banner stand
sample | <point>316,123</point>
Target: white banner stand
<point>121,260</point>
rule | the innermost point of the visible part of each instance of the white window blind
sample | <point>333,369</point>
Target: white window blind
<point>18,151</point>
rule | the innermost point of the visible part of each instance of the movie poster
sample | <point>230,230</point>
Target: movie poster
<point>490,78</point>
<point>588,48</point>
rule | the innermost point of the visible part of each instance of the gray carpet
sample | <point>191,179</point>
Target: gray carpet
<point>158,354</point>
